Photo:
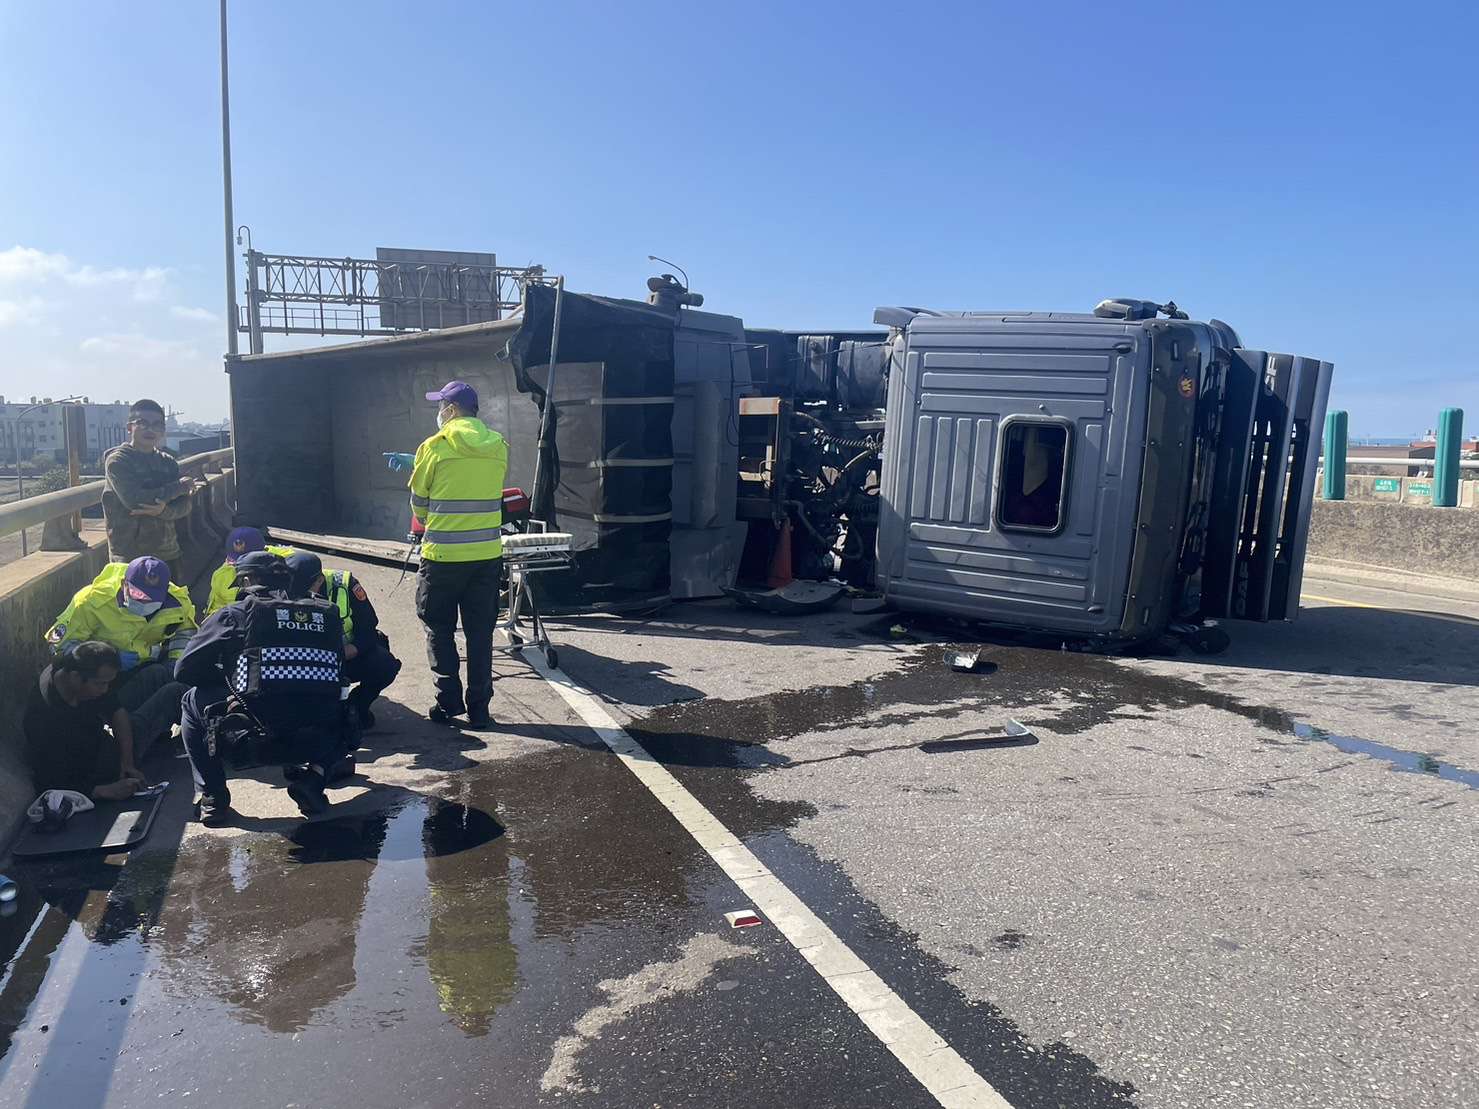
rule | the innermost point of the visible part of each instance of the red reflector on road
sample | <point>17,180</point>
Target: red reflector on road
<point>743,918</point>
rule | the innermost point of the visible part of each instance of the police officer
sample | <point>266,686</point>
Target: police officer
<point>241,541</point>
<point>367,658</point>
<point>457,496</point>
<point>147,619</point>
<point>276,661</point>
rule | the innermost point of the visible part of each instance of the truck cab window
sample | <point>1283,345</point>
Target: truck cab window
<point>1032,476</point>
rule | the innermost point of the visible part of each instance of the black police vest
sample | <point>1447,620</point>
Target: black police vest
<point>290,649</point>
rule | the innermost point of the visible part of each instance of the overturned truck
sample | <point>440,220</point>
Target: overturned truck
<point>1105,476</point>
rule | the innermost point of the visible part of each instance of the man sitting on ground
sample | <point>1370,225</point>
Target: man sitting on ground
<point>69,714</point>
<point>146,619</point>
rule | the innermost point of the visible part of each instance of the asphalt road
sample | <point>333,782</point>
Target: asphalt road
<point>1240,881</point>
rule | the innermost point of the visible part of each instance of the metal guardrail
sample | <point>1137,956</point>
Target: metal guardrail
<point>1362,460</point>
<point>41,510</point>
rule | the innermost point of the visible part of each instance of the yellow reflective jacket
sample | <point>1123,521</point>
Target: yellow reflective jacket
<point>457,491</point>
<point>95,613</point>
<point>223,593</point>
<point>337,584</point>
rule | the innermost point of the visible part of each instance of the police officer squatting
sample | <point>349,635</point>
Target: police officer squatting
<point>369,667</point>
<point>264,673</point>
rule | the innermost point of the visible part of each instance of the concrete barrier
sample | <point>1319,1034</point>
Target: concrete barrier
<point>1411,538</point>
<point>34,589</point>
<point>1407,490</point>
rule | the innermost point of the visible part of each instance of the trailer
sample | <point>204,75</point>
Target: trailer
<point>1105,476</point>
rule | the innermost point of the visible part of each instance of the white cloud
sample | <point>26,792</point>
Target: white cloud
<point>25,263</point>
<point>78,326</point>
<point>23,311</point>
<point>135,346</point>
<point>145,285</point>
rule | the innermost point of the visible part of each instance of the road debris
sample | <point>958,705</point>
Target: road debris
<point>794,599</point>
<point>967,662</point>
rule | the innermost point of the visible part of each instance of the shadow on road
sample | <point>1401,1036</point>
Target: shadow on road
<point>723,621</point>
<point>643,683</point>
<point>1358,642</point>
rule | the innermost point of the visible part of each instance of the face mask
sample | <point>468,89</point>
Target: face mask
<point>145,609</point>
<point>441,418</point>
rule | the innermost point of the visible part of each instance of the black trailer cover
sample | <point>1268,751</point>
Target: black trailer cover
<point>611,459</point>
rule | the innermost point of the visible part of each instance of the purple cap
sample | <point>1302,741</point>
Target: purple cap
<point>146,579</point>
<point>459,393</point>
<point>243,541</point>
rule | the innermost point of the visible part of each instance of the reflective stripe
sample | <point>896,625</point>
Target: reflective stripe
<point>494,505</point>
<point>419,502</point>
<point>478,535</point>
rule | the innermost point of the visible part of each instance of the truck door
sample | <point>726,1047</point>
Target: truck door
<point>1011,470</point>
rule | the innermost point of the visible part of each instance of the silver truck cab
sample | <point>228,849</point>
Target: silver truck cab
<point>1096,475</point>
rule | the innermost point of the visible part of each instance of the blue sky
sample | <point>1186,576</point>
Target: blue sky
<point>1308,173</point>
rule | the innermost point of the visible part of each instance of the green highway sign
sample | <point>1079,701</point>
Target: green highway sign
<point>1420,488</point>
<point>1386,485</point>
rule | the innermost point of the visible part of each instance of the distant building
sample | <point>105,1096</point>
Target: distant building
<point>37,435</point>
<point>1420,451</point>
<point>186,445</point>
<point>184,438</point>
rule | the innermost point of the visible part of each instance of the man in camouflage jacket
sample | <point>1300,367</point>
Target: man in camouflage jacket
<point>145,493</point>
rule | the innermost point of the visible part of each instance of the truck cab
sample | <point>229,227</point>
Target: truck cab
<point>1100,475</point>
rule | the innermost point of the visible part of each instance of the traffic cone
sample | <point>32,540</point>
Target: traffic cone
<point>780,561</point>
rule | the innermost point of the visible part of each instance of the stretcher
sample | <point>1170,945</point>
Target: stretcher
<point>532,552</point>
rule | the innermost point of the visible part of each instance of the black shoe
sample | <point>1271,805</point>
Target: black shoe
<point>214,812</point>
<point>342,768</point>
<point>479,719</point>
<point>307,791</point>
<point>439,715</point>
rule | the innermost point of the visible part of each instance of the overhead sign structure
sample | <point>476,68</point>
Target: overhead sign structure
<point>396,291</point>
<point>422,289</point>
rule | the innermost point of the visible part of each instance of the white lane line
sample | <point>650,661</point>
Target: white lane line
<point>25,943</point>
<point>952,1081</point>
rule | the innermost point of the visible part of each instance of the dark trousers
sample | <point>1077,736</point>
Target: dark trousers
<point>443,591</point>
<point>318,746</point>
<point>370,671</point>
<point>151,696</point>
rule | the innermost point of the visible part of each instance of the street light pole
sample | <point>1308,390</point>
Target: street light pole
<point>231,347</point>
